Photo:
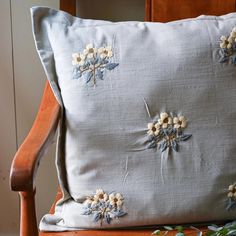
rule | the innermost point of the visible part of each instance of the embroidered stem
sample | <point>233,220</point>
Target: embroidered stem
<point>84,70</point>
<point>147,108</point>
<point>162,159</point>
<point>94,75</point>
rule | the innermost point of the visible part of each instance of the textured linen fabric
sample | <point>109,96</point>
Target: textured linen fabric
<point>172,67</point>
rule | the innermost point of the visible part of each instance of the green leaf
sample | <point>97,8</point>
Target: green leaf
<point>180,229</point>
<point>210,233</point>
<point>163,147</point>
<point>185,137</point>
<point>152,144</point>
<point>214,228</point>
<point>175,145</point>
<point>168,227</point>
<point>231,232</point>
<point>99,74</point>
<point>111,66</point>
<point>223,231</point>
<point>156,232</point>
<point>88,76</point>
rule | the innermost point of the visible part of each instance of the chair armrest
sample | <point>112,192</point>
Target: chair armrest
<point>26,160</point>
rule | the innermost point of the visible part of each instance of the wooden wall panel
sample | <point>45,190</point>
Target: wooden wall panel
<point>169,10</point>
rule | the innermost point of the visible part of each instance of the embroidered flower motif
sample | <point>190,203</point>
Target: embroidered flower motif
<point>100,195</point>
<point>226,42</point>
<point>228,47</point>
<point>78,59</point>
<point>90,51</point>
<point>153,129</point>
<point>164,133</point>
<point>91,64</point>
<point>116,200</point>
<point>164,120</point>
<point>91,201</point>
<point>231,203</point>
<point>180,122</point>
<point>105,52</point>
<point>104,207</point>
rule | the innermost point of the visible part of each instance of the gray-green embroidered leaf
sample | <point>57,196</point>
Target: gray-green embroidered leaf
<point>86,211</point>
<point>104,61</point>
<point>100,74</point>
<point>120,213</point>
<point>231,204</point>
<point>173,131</point>
<point>151,138</point>
<point>163,146</point>
<point>111,66</point>
<point>97,216</point>
<point>107,218</point>
<point>185,137</point>
<point>233,60</point>
<point>223,59</point>
<point>94,61</point>
<point>77,73</point>
<point>166,132</point>
<point>175,145</point>
<point>152,144</point>
<point>88,76</point>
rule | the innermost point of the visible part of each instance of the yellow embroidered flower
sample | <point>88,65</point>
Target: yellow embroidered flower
<point>232,191</point>
<point>78,59</point>
<point>233,33</point>
<point>100,195</point>
<point>180,122</point>
<point>153,129</point>
<point>90,201</point>
<point>231,40</point>
<point>90,51</point>
<point>225,43</point>
<point>105,52</point>
<point>165,120</point>
<point>116,200</point>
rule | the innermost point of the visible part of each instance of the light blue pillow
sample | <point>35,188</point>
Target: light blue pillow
<point>148,132</point>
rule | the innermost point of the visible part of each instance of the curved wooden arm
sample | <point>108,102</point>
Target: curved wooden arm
<point>26,160</point>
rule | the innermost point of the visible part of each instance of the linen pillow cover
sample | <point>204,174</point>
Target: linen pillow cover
<point>147,133</point>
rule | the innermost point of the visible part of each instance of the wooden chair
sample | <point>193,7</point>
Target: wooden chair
<point>26,161</point>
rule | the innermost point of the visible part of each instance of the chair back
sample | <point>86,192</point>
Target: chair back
<point>169,10</point>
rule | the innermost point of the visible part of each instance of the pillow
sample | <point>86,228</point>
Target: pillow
<point>147,134</point>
